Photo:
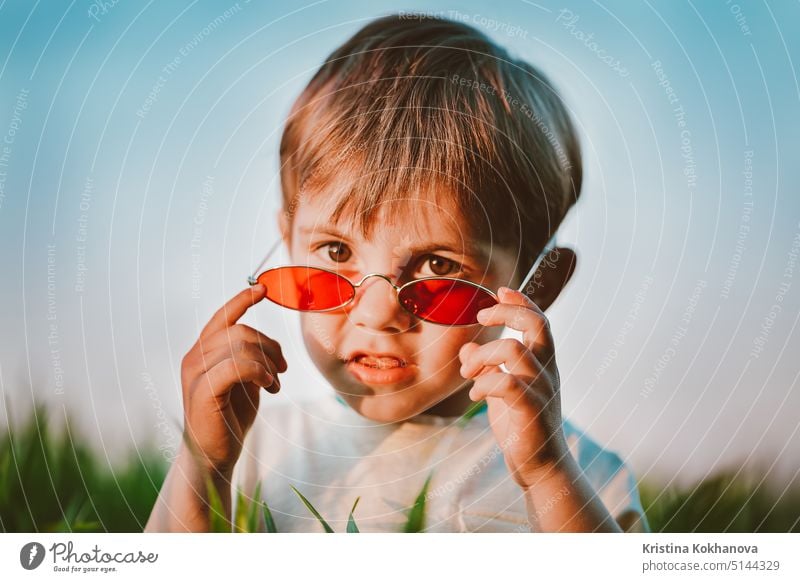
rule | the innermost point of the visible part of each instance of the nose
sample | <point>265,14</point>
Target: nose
<point>376,306</point>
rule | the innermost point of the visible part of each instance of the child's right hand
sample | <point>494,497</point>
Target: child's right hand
<point>222,375</point>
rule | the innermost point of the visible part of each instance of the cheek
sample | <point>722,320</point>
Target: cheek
<point>319,335</point>
<point>439,349</point>
<point>443,353</point>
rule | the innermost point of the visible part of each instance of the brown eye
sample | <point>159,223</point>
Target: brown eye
<point>440,266</point>
<point>338,252</point>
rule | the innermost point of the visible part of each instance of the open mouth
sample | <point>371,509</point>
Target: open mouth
<point>379,362</point>
<point>380,369</point>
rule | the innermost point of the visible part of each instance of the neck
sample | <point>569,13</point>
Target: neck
<point>454,405</point>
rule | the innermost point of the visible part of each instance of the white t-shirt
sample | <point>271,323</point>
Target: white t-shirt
<point>332,455</point>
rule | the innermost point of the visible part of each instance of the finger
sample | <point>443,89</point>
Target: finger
<point>466,351</point>
<point>234,309</point>
<point>514,297</point>
<point>240,350</point>
<point>246,400</point>
<point>516,357</point>
<point>233,335</point>
<point>228,373</point>
<point>534,327</point>
<point>519,312</point>
<point>499,385</point>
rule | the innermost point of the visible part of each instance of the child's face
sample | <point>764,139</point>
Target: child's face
<point>374,322</point>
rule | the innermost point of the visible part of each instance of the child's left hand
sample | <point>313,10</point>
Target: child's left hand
<point>524,405</point>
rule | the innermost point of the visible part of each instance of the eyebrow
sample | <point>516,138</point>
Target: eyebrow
<point>470,251</point>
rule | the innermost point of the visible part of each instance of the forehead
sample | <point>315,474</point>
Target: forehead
<point>415,220</point>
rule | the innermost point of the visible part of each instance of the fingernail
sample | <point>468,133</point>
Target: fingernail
<point>482,316</point>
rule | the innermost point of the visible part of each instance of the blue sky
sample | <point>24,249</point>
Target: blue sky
<point>138,176</point>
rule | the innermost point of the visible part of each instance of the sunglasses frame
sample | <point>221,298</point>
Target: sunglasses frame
<point>253,280</point>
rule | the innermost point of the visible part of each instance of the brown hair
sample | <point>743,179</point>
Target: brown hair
<point>413,103</point>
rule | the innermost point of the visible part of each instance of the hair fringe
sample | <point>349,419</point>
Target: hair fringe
<point>431,108</point>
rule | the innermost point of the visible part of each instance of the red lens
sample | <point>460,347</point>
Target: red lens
<point>306,288</point>
<point>445,301</point>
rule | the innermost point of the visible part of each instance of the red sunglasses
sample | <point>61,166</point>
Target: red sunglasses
<point>440,300</point>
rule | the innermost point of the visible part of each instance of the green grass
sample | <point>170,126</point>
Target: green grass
<point>56,483</point>
<point>722,503</point>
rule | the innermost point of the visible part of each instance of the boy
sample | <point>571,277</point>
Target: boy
<point>419,149</point>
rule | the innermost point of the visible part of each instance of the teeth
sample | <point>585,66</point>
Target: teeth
<point>379,362</point>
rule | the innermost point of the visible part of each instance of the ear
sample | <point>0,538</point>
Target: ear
<point>551,277</point>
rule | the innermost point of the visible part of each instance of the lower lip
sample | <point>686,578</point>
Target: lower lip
<point>369,375</point>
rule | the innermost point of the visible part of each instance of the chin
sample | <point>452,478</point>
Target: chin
<point>384,407</point>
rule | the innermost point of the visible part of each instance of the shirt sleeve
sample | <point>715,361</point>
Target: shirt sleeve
<point>611,478</point>
<point>620,494</point>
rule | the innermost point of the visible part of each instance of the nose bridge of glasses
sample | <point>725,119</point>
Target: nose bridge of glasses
<point>381,275</point>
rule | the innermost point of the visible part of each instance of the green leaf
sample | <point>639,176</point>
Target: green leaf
<point>240,522</point>
<point>216,515</point>
<point>269,523</point>
<point>72,514</point>
<point>351,522</point>
<point>252,515</point>
<point>5,474</point>
<point>416,517</point>
<point>471,411</point>
<point>87,527</point>
<point>311,508</point>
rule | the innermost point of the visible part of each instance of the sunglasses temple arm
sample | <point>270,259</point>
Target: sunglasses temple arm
<point>252,280</point>
<point>549,246</point>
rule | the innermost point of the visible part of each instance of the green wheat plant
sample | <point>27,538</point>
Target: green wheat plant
<point>56,483</point>
<point>53,481</point>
